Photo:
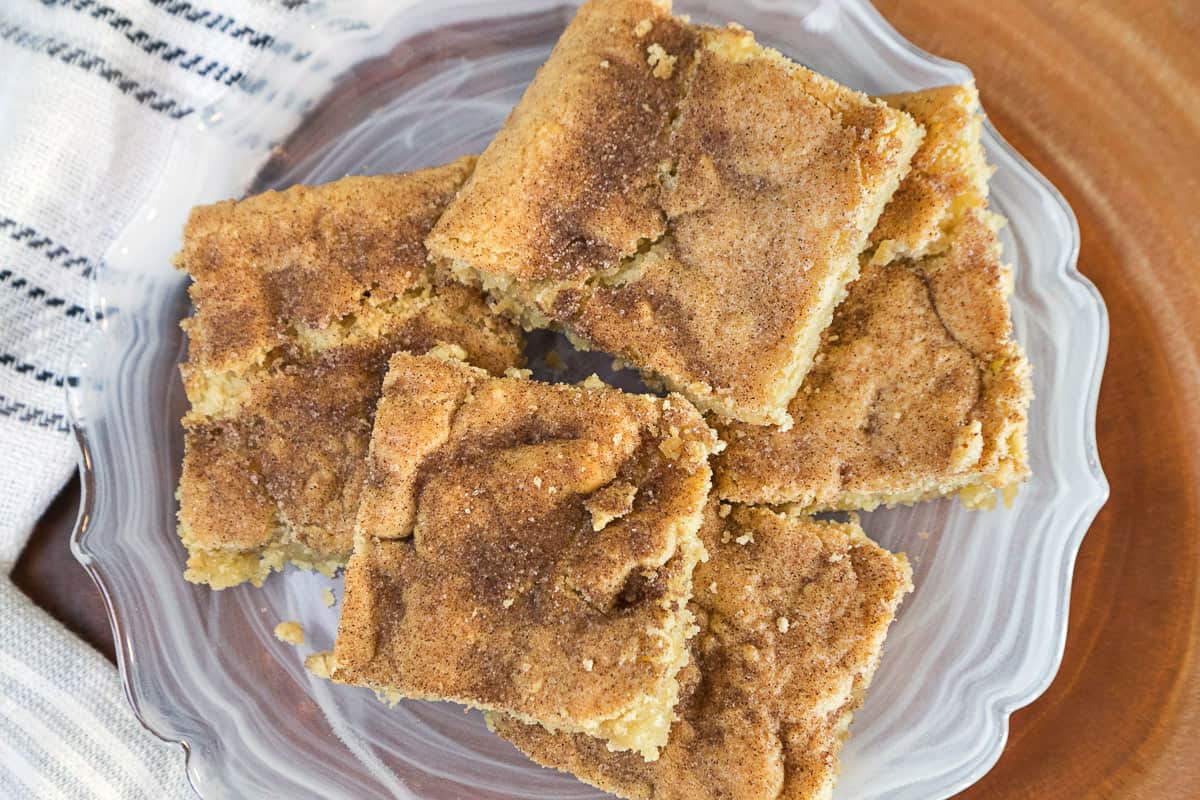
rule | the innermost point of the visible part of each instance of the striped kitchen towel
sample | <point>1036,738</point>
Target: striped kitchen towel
<point>91,92</point>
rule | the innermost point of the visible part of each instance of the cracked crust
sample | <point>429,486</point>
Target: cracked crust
<point>479,575</point>
<point>300,298</point>
<point>793,614</point>
<point>699,221</point>
<point>919,389</point>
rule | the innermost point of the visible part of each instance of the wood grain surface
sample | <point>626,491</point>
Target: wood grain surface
<point>1102,97</point>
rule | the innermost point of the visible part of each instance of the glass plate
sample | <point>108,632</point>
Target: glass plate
<point>981,636</point>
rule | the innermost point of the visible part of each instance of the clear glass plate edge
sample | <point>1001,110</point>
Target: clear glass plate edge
<point>1096,493</point>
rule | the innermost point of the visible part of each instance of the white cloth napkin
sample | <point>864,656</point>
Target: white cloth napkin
<point>91,92</point>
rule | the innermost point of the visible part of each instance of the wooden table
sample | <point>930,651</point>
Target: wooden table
<point>1102,97</point>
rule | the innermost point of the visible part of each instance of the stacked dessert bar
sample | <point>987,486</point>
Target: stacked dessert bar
<point>632,587</point>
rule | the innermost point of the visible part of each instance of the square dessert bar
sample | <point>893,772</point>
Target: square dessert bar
<point>681,197</point>
<point>792,614</point>
<point>918,389</point>
<point>300,297</point>
<point>527,548</point>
